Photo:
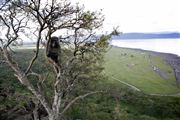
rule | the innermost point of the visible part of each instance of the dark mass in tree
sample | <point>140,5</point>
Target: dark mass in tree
<point>53,48</point>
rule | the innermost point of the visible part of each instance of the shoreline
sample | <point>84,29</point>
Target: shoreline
<point>172,59</point>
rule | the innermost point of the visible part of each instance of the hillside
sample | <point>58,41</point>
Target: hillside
<point>119,100</point>
<point>140,70</point>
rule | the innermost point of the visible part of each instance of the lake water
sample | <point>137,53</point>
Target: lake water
<point>159,45</point>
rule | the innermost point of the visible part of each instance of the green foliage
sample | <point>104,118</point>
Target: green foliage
<point>88,19</point>
<point>103,41</point>
<point>118,102</point>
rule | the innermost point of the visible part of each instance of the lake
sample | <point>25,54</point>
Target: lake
<point>159,45</point>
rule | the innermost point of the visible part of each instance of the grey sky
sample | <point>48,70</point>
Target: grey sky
<point>138,15</point>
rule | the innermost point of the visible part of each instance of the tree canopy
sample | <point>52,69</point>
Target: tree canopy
<point>80,55</point>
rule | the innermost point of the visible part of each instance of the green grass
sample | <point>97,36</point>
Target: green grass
<point>134,67</point>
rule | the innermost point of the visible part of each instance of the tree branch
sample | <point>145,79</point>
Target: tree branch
<point>35,56</point>
<point>37,49</point>
<point>77,98</point>
<point>3,5</point>
<point>24,80</point>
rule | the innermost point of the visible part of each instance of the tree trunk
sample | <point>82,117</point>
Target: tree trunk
<point>35,114</point>
<point>54,117</point>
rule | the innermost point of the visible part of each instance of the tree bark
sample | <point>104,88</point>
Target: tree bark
<point>54,117</point>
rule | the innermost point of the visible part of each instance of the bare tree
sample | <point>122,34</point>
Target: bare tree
<point>79,57</point>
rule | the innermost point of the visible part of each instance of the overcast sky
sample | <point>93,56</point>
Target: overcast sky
<point>138,15</point>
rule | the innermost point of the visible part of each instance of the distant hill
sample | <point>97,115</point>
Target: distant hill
<point>165,35</point>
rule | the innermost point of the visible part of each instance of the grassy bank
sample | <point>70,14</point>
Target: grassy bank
<point>140,69</point>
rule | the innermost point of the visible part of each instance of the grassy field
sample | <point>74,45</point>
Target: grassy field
<point>137,68</point>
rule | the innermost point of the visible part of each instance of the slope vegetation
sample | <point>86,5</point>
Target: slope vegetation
<point>141,70</point>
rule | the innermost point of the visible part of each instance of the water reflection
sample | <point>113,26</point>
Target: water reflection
<point>159,45</point>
